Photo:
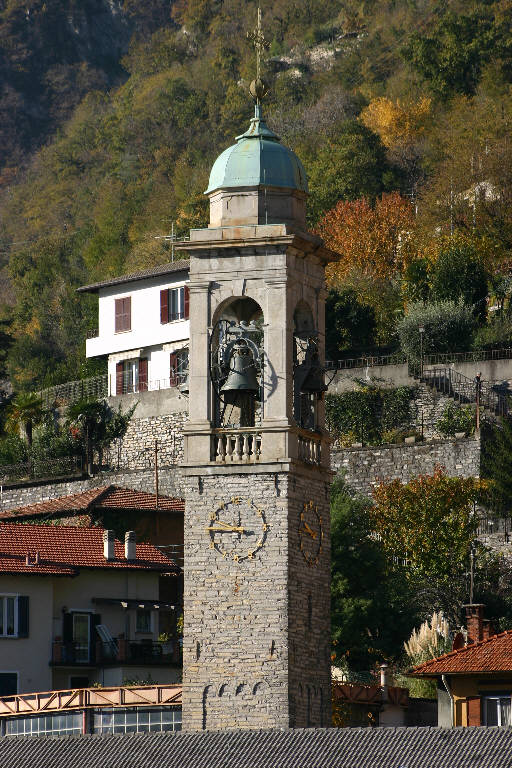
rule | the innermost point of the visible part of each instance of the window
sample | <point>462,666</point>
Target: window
<point>178,371</point>
<point>8,683</point>
<point>143,623</point>
<point>13,616</point>
<point>174,304</point>
<point>123,320</point>
<point>132,376</point>
<point>61,724</point>
<point>497,710</point>
<point>136,719</point>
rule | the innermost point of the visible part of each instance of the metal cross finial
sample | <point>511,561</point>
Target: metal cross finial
<point>260,44</point>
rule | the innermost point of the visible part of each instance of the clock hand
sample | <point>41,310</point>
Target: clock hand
<point>226,528</point>
<point>307,529</point>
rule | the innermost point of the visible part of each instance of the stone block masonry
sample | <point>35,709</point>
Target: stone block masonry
<point>137,480</point>
<point>136,449</point>
<point>364,468</point>
<point>269,664</point>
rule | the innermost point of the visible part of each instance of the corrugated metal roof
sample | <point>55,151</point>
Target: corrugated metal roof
<point>311,748</point>
<point>164,269</point>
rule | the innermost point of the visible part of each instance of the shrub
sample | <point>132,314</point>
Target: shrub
<point>497,333</point>
<point>365,414</point>
<point>448,327</point>
<point>459,274</point>
<point>457,419</point>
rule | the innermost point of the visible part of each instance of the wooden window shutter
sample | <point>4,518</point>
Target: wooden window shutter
<point>23,607</point>
<point>67,627</point>
<point>186,303</point>
<point>474,711</point>
<point>119,316</point>
<point>164,306</point>
<point>119,378</point>
<point>143,374</point>
<point>173,370</point>
<point>127,313</point>
<point>123,319</point>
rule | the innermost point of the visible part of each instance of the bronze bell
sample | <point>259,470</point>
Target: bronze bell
<point>314,383</point>
<point>242,374</point>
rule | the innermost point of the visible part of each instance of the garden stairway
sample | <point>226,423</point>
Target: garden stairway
<point>464,390</point>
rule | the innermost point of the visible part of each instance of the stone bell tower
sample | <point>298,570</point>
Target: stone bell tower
<point>257,539</point>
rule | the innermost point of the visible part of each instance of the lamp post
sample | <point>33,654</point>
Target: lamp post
<point>421,329</point>
<point>478,387</point>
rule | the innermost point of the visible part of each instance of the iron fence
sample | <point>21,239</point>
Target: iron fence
<point>38,469</point>
<point>95,387</point>
<point>371,361</point>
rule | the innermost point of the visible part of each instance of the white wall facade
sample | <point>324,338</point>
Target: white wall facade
<point>149,337</point>
<point>49,598</point>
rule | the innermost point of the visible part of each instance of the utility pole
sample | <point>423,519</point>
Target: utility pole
<point>156,473</point>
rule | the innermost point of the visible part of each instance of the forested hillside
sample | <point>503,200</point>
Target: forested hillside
<point>113,112</point>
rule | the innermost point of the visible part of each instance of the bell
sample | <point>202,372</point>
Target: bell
<point>242,375</point>
<point>314,383</point>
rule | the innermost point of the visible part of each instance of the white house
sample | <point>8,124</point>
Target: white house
<point>143,328</point>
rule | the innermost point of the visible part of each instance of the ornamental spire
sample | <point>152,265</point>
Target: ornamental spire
<point>258,88</point>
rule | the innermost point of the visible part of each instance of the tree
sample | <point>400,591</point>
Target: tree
<point>451,55</point>
<point>448,327</point>
<point>97,425</point>
<point>458,274</point>
<point>496,463</point>
<point>428,522</point>
<point>372,609</point>
<point>350,166</point>
<point>350,323</point>
<point>23,414</point>
<point>372,240</point>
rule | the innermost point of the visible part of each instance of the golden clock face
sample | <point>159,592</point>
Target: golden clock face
<point>237,529</point>
<point>311,534</point>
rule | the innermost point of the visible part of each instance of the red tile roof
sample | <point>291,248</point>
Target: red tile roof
<point>64,550</point>
<point>492,655</point>
<point>97,498</point>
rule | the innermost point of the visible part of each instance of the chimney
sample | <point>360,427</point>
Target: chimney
<point>384,681</point>
<point>108,545</point>
<point>130,545</point>
<point>475,622</point>
<point>487,629</point>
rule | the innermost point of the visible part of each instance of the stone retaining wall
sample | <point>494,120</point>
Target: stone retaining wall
<point>364,468</point>
<point>137,448</point>
<point>169,484</point>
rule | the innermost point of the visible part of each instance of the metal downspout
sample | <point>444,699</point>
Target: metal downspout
<point>452,713</point>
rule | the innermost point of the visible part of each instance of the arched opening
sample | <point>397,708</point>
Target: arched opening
<point>308,372</point>
<point>236,363</point>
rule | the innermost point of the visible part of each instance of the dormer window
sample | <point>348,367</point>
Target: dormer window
<point>174,304</point>
<point>123,320</point>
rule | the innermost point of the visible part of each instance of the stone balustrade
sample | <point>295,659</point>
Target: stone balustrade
<point>237,446</point>
<point>309,448</point>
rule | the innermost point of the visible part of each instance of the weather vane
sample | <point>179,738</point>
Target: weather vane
<point>258,88</point>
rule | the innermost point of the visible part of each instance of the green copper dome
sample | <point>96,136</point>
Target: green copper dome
<point>257,159</point>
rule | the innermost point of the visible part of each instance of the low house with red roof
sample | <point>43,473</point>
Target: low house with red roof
<point>474,681</point>
<point>157,519</point>
<point>79,607</point>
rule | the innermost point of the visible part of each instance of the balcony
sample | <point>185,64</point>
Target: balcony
<point>117,651</point>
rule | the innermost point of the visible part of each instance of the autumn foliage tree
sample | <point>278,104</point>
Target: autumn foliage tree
<point>373,240</point>
<point>429,522</point>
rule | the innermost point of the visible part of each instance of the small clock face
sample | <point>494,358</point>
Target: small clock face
<point>311,533</point>
<point>237,529</point>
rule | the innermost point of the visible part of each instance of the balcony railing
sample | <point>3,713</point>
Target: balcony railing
<point>236,446</point>
<point>309,447</point>
<point>124,384</point>
<point>117,651</point>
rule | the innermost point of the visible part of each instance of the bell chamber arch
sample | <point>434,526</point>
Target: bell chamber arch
<point>236,364</point>
<point>308,371</point>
